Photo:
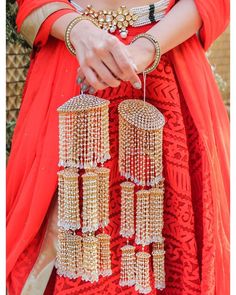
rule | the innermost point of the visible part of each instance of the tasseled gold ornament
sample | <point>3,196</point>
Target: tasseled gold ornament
<point>127,209</point>
<point>158,255</point>
<point>143,218</point>
<point>62,258</point>
<point>83,144</point>
<point>90,259</point>
<point>143,273</point>
<point>68,199</point>
<point>83,132</point>
<point>156,214</point>
<point>140,161</point>
<point>140,142</point>
<point>128,264</point>
<point>103,194</point>
<point>90,202</point>
<point>104,258</point>
<point>69,254</point>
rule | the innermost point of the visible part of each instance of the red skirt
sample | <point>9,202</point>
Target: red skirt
<point>188,204</point>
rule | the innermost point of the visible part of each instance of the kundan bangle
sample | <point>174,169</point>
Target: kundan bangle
<point>71,26</point>
<point>157,50</point>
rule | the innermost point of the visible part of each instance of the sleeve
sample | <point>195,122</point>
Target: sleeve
<point>35,18</point>
<point>215,16</point>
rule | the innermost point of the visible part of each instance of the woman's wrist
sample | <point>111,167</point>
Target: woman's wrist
<point>83,26</point>
<point>59,26</point>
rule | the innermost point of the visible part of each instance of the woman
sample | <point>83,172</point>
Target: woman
<point>195,144</point>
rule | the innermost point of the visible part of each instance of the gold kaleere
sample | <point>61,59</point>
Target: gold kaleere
<point>103,194</point>
<point>143,218</point>
<point>156,214</point>
<point>128,265</point>
<point>140,142</point>
<point>90,259</point>
<point>127,209</point>
<point>140,161</point>
<point>90,202</point>
<point>62,259</point>
<point>83,144</point>
<point>143,273</point>
<point>158,254</point>
<point>68,198</point>
<point>104,255</point>
<point>83,132</point>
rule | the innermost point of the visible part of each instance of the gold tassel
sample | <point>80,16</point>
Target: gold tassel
<point>69,254</point>
<point>68,199</point>
<point>103,194</point>
<point>79,255</point>
<point>142,284</point>
<point>90,202</point>
<point>158,255</point>
<point>142,218</point>
<point>128,264</point>
<point>83,132</point>
<point>90,259</point>
<point>127,209</point>
<point>140,142</point>
<point>156,214</point>
<point>62,259</point>
<point>104,254</point>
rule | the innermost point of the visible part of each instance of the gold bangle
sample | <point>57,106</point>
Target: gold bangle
<point>71,26</point>
<point>157,50</point>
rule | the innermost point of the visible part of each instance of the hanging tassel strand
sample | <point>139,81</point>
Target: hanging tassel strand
<point>104,255</point>
<point>127,209</point>
<point>158,255</point>
<point>143,273</point>
<point>128,264</point>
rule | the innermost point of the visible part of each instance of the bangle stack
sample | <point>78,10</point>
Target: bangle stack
<point>71,26</point>
<point>157,51</point>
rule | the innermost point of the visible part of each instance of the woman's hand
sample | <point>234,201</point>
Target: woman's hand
<point>142,52</point>
<point>104,60</point>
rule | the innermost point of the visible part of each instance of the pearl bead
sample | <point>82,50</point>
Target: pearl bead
<point>124,34</point>
<point>112,29</point>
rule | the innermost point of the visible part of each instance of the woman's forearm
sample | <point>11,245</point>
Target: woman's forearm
<point>59,26</point>
<point>180,23</point>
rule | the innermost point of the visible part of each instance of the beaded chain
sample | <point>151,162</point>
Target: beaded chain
<point>121,18</point>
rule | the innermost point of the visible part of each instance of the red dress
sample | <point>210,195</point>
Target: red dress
<point>196,208</point>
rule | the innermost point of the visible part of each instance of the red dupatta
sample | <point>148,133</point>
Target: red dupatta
<point>32,179</point>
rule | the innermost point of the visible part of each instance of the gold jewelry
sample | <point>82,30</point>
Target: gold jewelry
<point>103,194</point>
<point>127,209</point>
<point>104,254</point>
<point>140,161</point>
<point>128,265</point>
<point>157,50</point>
<point>110,20</point>
<point>158,255</point>
<point>71,26</point>
<point>90,259</point>
<point>83,144</point>
<point>142,283</point>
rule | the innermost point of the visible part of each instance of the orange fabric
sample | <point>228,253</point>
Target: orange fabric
<point>32,166</point>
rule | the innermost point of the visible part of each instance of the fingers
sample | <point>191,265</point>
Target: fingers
<point>111,64</point>
<point>92,81</point>
<point>126,65</point>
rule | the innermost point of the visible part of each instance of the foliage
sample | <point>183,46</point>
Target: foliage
<point>10,125</point>
<point>11,31</point>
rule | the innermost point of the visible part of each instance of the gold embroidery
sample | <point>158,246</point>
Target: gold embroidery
<point>33,21</point>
